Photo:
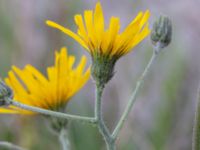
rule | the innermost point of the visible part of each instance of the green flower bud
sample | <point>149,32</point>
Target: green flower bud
<point>5,92</point>
<point>162,31</point>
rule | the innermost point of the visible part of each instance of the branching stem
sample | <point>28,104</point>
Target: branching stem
<point>109,137</point>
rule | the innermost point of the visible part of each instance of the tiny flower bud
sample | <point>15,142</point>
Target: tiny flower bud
<point>5,92</point>
<point>162,31</point>
<point>56,124</point>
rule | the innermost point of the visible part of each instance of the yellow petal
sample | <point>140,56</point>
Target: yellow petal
<point>81,27</point>
<point>112,35</point>
<point>13,82</point>
<point>36,74</point>
<point>144,33</point>
<point>81,65</point>
<point>98,22</point>
<point>8,110</point>
<point>145,18</point>
<point>90,29</point>
<point>68,32</point>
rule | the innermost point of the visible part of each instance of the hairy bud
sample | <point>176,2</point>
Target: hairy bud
<point>162,31</point>
<point>5,92</point>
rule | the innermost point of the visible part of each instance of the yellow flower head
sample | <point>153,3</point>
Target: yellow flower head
<point>106,45</point>
<point>93,36</point>
<point>52,92</point>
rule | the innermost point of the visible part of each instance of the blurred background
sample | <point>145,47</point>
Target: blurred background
<point>162,117</point>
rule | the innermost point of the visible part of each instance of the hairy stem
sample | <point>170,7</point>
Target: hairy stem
<point>4,144</point>
<point>64,140</point>
<point>196,128</point>
<point>134,96</point>
<point>100,122</point>
<point>53,113</point>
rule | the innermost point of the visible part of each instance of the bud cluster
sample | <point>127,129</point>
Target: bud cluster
<point>5,92</point>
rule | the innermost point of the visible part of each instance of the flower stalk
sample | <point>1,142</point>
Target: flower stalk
<point>133,96</point>
<point>100,121</point>
<point>64,140</point>
<point>4,144</point>
<point>161,37</point>
<point>89,120</point>
<point>110,138</point>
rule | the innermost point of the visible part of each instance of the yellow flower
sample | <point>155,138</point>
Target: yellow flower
<point>93,36</point>
<point>52,92</point>
<point>106,46</point>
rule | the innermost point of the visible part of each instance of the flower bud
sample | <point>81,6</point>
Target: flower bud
<point>5,92</point>
<point>162,31</point>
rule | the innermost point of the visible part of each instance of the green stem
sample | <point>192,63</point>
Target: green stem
<point>196,128</point>
<point>63,140</point>
<point>100,122</point>
<point>53,113</point>
<point>134,96</point>
<point>4,144</point>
